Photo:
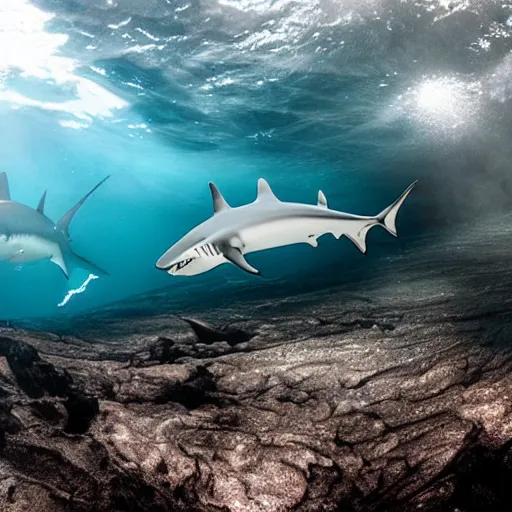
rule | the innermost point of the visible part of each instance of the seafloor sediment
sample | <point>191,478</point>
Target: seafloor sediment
<point>393,398</point>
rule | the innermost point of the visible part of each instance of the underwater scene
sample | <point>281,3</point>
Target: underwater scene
<point>196,313</point>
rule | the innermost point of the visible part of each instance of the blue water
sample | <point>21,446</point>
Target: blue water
<point>358,99</point>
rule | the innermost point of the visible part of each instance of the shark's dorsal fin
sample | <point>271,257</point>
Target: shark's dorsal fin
<point>4,188</point>
<point>265,192</point>
<point>40,206</point>
<point>322,200</point>
<point>219,203</point>
<point>63,223</point>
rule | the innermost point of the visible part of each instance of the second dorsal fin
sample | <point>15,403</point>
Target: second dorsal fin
<point>322,200</point>
<point>219,203</point>
<point>40,206</point>
<point>265,192</point>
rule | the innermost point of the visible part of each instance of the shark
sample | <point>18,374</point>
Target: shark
<point>233,232</point>
<point>27,234</point>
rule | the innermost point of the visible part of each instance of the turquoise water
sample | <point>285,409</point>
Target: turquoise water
<point>357,99</point>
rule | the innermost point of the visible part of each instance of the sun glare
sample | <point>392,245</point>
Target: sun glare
<point>436,97</point>
<point>29,51</point>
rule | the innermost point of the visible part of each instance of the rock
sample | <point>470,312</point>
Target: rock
<point>208,334</point>
<point>166,351</point>
<point>34,376</point>
<point>81,411</point>
<point>306,415</point>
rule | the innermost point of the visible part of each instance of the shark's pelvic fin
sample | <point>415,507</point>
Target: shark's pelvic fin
<point>65,221</point>
<point>322,200</point>
<point>58,259</point>
<point>387,217</point>
<point>235,256</point>
<point>4,188</point>
<point>219,203</point>
<point>40,206</point>
<point>265,192</point>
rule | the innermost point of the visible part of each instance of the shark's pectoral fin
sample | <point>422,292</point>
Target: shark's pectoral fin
<point>235,256</point>
<point>58,259</point>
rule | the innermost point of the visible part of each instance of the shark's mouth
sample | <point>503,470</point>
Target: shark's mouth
<point>194,261</point>
<point>176,267</point>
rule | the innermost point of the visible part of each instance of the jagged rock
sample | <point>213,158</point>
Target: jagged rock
<point>166,351</point>
<point>34,376</point>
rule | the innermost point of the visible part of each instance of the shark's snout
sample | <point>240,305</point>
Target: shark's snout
<point>173,267</point>
<point>172,263</point>
<point>162,265</point>
<point>166,260</point>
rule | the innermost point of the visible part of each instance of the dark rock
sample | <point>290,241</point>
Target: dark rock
<point>208,334</point>
<point>196,390</point>
<point>34,376</point>
<point>81,411</point>
<point>8,423</point>
<point>165,351</point>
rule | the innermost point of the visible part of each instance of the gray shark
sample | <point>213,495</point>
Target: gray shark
<point>29,235</point>
<point>231,233</point>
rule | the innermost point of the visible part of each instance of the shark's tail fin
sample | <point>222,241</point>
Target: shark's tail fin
<point>387,217</point>
<point>87,265</point>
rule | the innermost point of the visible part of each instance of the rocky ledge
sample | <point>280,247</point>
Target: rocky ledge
<point>392,400</point>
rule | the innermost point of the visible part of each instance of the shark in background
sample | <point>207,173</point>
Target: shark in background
<point>231,233</point>
<point>29,235</point>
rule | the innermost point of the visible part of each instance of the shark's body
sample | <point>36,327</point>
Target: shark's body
<point>264,224</point>
<point>27,234</point>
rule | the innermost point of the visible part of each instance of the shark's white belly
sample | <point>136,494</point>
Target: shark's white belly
<point>26,248</point>
<point>293,231</point>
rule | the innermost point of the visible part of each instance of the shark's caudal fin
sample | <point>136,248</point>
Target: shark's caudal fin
<point>4,188</point>
<point>71,257</point>
<point>65,221</point>
<point>87,265</point>
<point>387,217</point>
